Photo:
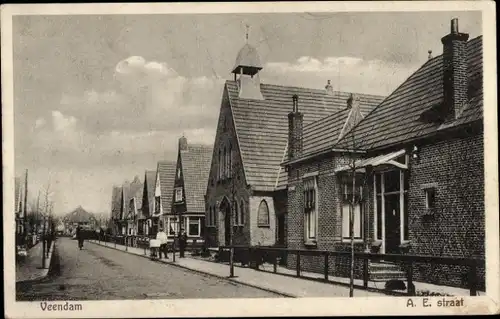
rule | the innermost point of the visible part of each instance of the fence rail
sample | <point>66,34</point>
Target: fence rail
<point>255,255</point>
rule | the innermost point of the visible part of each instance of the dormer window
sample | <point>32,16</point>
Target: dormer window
<point>178,194</point>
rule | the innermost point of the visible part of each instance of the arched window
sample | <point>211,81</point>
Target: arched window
<point>230,160</point>
<point>224,164</point>
<point>219,171</point>
<point>236,214</point>
<point>242,212</point>
<point>263,214</point>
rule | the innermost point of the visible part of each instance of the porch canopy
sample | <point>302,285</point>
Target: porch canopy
<point>380,160</point>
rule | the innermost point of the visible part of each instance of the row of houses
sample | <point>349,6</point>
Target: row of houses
<point>170,198</point>
<point>284,159</point>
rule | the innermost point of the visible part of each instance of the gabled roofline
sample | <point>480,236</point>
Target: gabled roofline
<point>235,131</point>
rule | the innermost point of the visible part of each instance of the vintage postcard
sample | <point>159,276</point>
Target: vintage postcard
<point>250,159</point>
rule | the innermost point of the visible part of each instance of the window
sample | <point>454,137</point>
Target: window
<point>229,161</point>
<point>157,204</point>
<point>263,215</point>
<point>178,173</point>
<point>219,170</point>
<point>236,214</point>
<point>224,164</point>
<point>430,198</point>
<point>193,226</point>
<point>242,213</point>
<point>172,226</point>
<point>358,221</point>
<point>178,194</point>
<point>310,209</point>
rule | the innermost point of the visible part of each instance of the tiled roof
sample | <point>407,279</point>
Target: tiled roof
<point>399,117</point>
<point>79,215</point>
<point>195,169</point>
<point>149,184</point>
<point>138,198</point>
<point>262,125</point>
<point>130,190</point>
<point>166,170</point>
<point>115,201</point>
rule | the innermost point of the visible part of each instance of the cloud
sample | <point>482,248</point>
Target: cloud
<point>40,122</point>
<point>147,96</point>
<point>63,123</point>
<point>347,73</point>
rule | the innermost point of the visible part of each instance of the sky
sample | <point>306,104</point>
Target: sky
<point>99,99</point>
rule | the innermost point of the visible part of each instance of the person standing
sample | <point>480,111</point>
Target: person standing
<point>182,243</point>
<point>79,236</point>
<point>162,237</point>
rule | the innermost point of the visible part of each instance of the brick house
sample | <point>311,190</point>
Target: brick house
<point>188,202</point>
<point>246,179</point>
<point>418,158</point>
<point>135,208</point>
<point>126,221</point>
<point>163,193</point>
<point>148,197</point>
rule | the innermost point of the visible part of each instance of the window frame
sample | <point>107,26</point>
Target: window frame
<point>187,225</point>
<point>312,210</point>
<point>242,212</point>
<point>178,192</point>
<point>259,223</point>
<point>347,237</point>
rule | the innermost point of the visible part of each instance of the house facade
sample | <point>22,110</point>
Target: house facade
<point>135,207</point>
<point>411,171</point>
<point>246,180</point>
<point>188,203</point>
<point>145,222</point>
<point>163,193</point>
<point>126,219</point>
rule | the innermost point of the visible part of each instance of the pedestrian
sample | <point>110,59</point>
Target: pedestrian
<point>182,242</point>
<point>162,237</point>
<point>79,236</point>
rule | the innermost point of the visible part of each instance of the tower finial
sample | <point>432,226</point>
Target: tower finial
<point>246,35</point>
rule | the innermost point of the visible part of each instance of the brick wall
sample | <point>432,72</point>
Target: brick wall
<point>260,235</point>
<point>329,235</point>
<point>456,227</point>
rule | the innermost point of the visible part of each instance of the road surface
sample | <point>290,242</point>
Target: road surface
<point>100,273</point>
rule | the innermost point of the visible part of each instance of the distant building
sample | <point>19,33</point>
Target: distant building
<point>246,179</point>
<point>148,198</point>
<point>188,202</point>
<point>164,188</point>
<point>128,191</point>
<point>79,217</point>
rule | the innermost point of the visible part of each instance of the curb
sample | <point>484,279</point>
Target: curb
<point>204,273</point>
<point>46,270</point>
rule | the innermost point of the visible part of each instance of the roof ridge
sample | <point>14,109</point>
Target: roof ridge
<point>315,90</point>
<point>387,97</point>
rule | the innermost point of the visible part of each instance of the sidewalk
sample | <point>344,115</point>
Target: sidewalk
<point>30,268</point>
<point>283,285</point>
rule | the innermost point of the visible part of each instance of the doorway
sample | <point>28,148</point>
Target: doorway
<point>392,224</point>
<point>280,234</point>
<point>225,208</point>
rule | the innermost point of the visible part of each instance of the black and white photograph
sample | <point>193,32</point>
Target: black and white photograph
<point>291,158</point>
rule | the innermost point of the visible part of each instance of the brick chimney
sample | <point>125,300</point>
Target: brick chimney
<point>329,88</point>
<point>455,77</point>
<point>295,120</point>
<point>353,101</point>
<point>183,144</point>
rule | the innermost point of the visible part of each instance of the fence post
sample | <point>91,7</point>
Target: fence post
<point>365,272</point>
<point>275,264</point>
<point>327,266</point>
<point>473,279</point>
<point>298,263</point>
<point>409,271</point>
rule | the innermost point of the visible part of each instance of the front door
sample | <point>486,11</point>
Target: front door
<point>392,224</point>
